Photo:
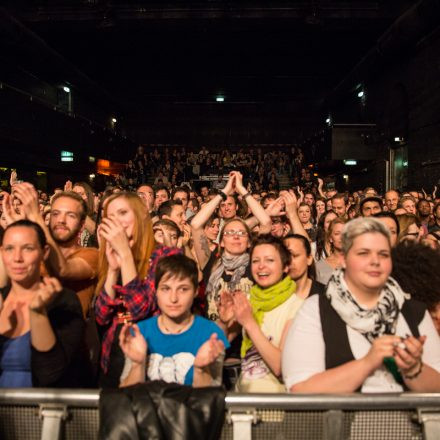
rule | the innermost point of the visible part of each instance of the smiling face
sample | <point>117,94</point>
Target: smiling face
<point>22,254</point>
<point>121,210</point>
<point>228,208</point>
<point>266,266</point>
<point>368,263</point>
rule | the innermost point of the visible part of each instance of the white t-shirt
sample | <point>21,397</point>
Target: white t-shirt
<point>304,349</point>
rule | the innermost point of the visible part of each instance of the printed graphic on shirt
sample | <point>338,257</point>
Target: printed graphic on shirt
<point>170,368</point>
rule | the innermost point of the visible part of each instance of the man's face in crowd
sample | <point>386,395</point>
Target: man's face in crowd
<point>183,197</point>
<point>338,205</point>
<point>424,208</point>
<point>409,206</point>
<point>146,193</point>
<point>178,216</point>
<point>392,200</point>
<point>65,219</point>
<point>370,208</point>
<point>228,208</point>
<point>277,228</point>
<point>204,191</point>
<point>309,199</point>
<point>161,196</point>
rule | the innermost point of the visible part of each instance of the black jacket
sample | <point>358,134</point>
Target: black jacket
<point>159,410</point>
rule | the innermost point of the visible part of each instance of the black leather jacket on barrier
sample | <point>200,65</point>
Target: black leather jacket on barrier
<point>159,410</point>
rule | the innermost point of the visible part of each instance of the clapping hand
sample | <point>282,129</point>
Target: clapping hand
<point>48,289</point>
<point>68,186</point>
<point>134,346</point>
<point>242,309</point>
<point>276,208</point>
<point>209,352</point>
<point>229,189</point>
<point>28,196</point>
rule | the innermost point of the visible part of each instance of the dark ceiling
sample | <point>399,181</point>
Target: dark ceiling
<point>183,51</point>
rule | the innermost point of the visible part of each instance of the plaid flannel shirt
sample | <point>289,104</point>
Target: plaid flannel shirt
<point>138,299</point>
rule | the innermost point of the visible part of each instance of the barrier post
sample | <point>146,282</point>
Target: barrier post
<point>430,420</point>
<point>52,415</point>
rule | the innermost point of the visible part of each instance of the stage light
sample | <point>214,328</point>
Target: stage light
<point>350,162</point>
<point>327,120</point>
<point>66,89</point>
<point>220,99</point>
<point>361,94</point>
<point>92,176</point>
<point>398,139</point>
<point>114,120</point>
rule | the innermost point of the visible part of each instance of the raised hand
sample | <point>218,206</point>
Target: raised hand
<point>68,186</point>
<point>290,201</point>
<point>276,208</point>
<point>209,352</point>
<point>13,178</point>
<point>9,212</point>
<point>133,344</point>
<point>239,182</point>
<point>28,197</point>
<point>229,189</point>
<point>48,289</point>
<point>112,231</point>
<point>113,259</point>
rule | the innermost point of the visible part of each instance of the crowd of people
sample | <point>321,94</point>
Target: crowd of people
<point>304,290</point>
<point>170,167</point>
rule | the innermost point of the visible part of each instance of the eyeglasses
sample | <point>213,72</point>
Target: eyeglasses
<point>231,233</point>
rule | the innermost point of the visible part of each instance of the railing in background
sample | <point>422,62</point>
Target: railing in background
<point>73,414</point>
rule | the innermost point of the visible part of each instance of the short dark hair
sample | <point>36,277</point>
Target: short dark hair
<point>388,214</point>
<point>311,271</point>
<point>74,196</point>
<point>181,189</point>
<point>169,224</point>
<point>29,224</point>
<point>340,196</point>
<point>160,188</point>
<point>178,266</point>
<point>276,243</point>
<point>166,207</point>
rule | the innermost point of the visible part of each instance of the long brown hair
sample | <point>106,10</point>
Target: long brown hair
<point>143,238</point>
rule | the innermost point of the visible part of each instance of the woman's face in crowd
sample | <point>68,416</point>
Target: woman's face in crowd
<point>22,254</point>
<point>266,266</point>
<point>212,230</point>
<point>336,236</point>
<point>233,243</point>
<point>392,227</point>
<point>328,204</point>
<point>304,214</point>
<point>299,261</point>
<point>80,191</point>
<point>320,207</point>
<point>328,219</point>
<point>121,210</point>
<point>413,233</point>
<point>368,262</point>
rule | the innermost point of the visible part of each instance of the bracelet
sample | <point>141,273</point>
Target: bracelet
<point>417,373</point>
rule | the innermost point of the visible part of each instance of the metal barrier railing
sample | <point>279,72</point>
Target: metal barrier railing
<point>44,414</point>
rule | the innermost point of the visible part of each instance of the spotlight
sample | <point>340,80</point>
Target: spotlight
<point>350,162</point>
<point>220,99</point>
<point>114,120</point>
<point>361,94</point>
<point>398,139</point>
<point>327,120</point>
<point>66,89</point>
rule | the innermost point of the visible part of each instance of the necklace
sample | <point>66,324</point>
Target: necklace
<point>176,332</point>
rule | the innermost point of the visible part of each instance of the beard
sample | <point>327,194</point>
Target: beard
<point>66,235</point>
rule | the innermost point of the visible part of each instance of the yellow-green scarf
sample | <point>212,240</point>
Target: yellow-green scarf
<point>265,300</point>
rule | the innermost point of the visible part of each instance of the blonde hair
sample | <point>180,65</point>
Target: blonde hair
<point>143,238</point>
